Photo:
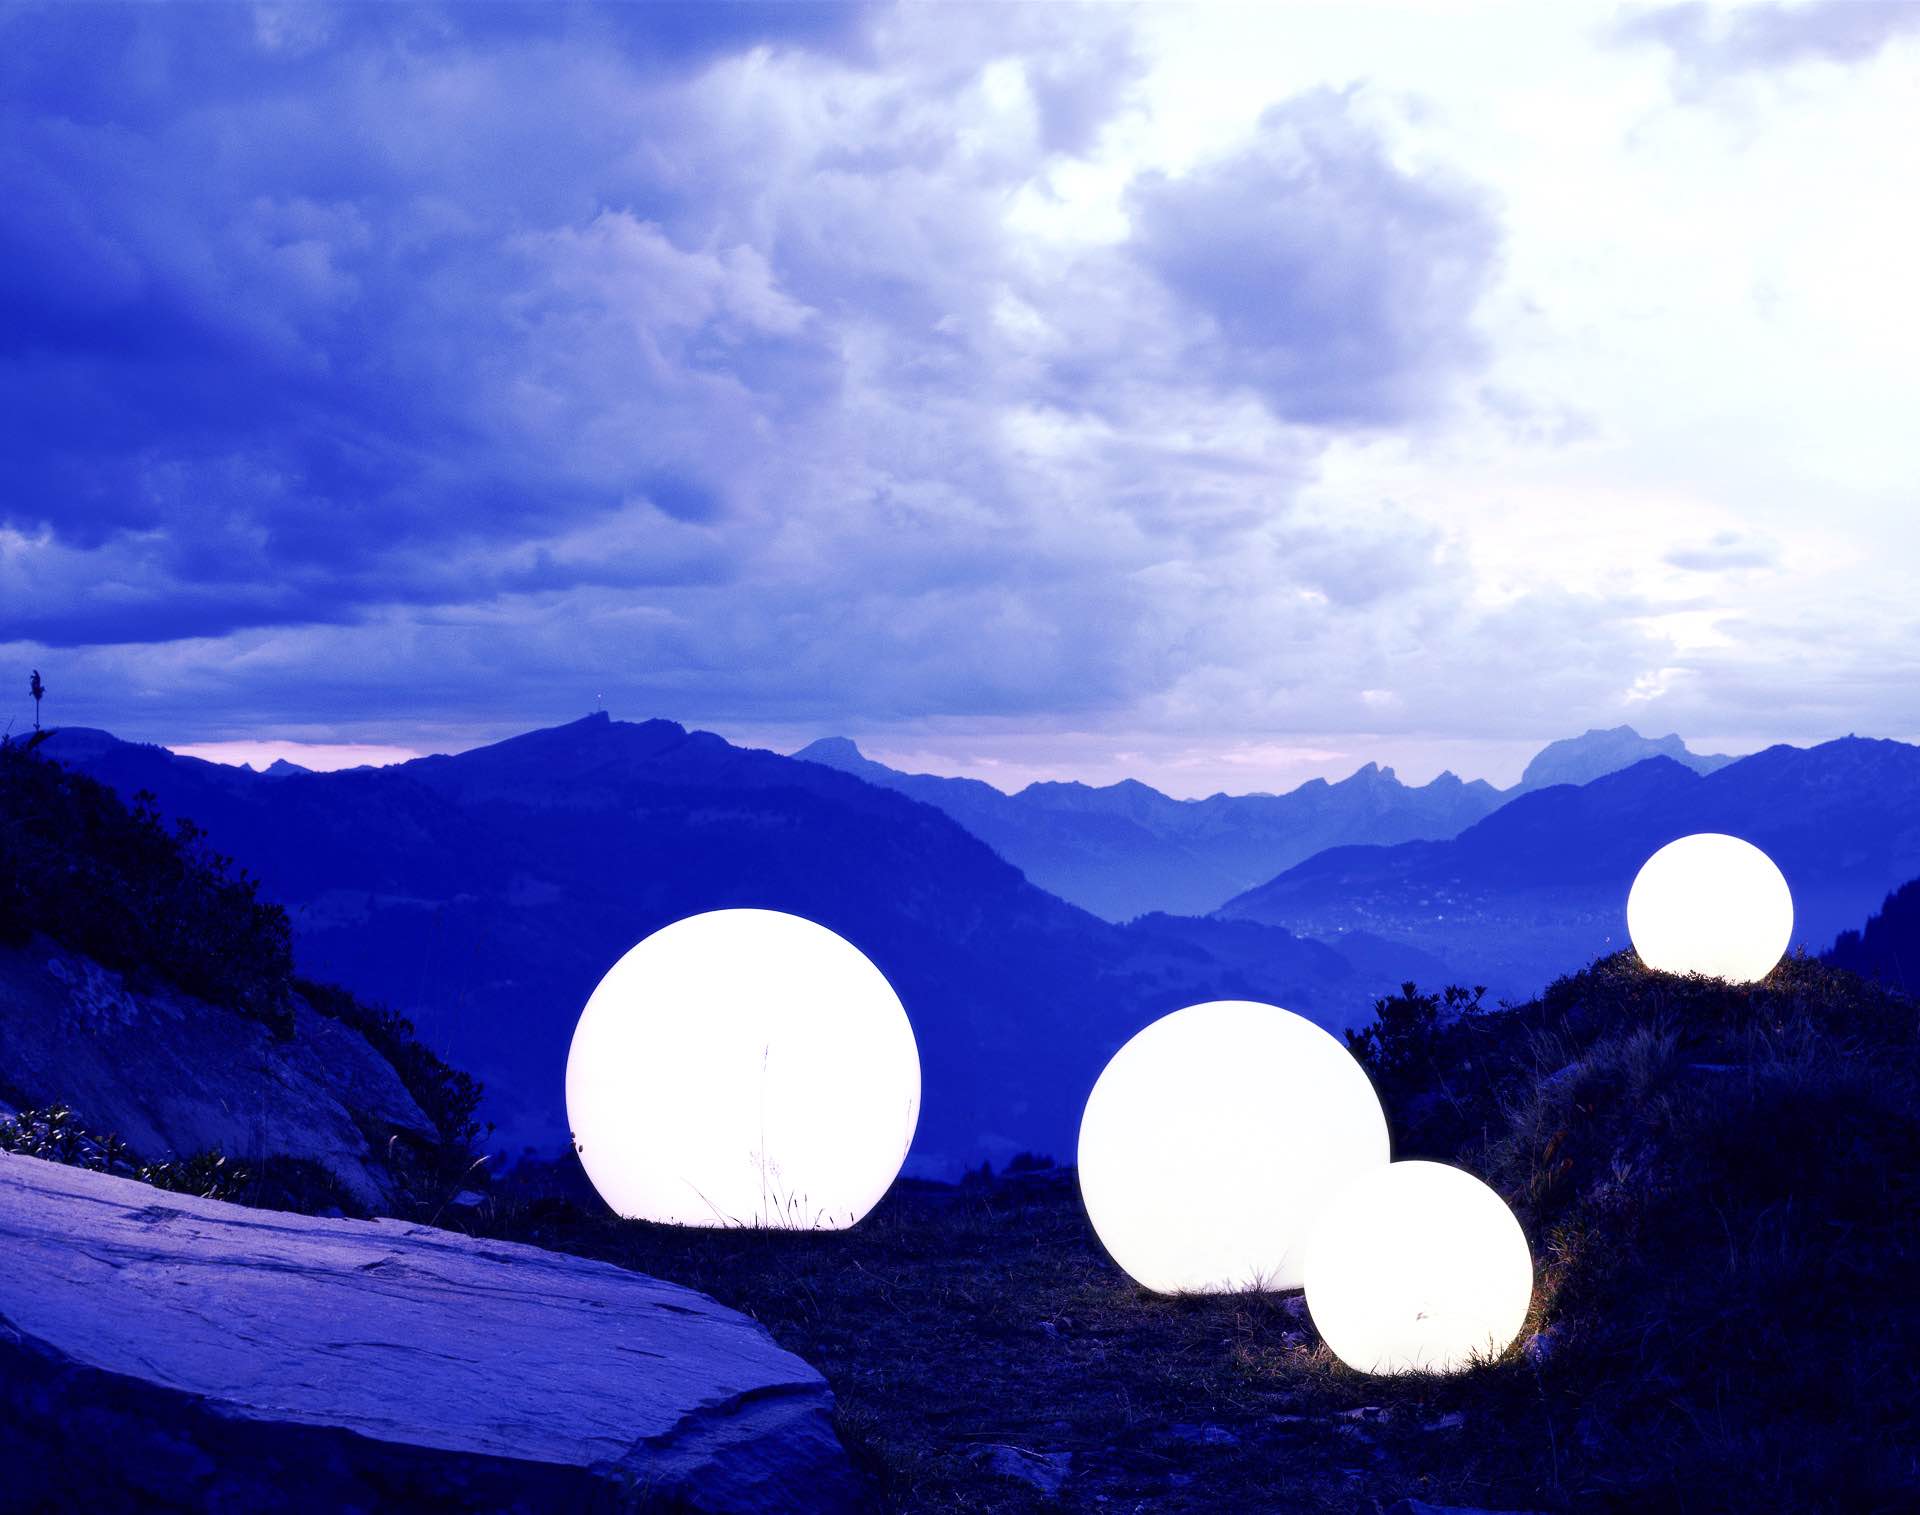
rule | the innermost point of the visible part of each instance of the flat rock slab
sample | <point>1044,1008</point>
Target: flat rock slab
<point>173,1352</point>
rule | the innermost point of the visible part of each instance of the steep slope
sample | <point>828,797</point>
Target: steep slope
<point>486,893</point>
<point>1719,1184</point>
<point>174,1077</point>
<point>147,997</point>
<point>1126,849</point>
<point>1543,881</point>
<point>1887,947</point>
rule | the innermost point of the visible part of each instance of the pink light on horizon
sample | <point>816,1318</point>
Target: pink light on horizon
<point>322,757</point>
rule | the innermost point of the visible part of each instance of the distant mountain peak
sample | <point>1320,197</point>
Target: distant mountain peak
<point>831,749</point>
<point>1599,751</point>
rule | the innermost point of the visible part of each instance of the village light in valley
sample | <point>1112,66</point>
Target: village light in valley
<point>743,1067</point>
<point>1213,1137</point>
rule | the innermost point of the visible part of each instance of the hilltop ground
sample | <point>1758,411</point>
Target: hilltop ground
<point>1718,1185</point>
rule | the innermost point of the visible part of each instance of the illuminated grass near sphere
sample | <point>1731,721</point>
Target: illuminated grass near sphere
<point>1710,904</point>
<point>1418,1267</point>
<point>1212,1139</point>
<point>743,1067</point>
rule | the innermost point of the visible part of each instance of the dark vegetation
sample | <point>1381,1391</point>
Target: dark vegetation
<point>83,868</point>
<point>445,1095</point>
<point>1888,946</point>
<point>109,879</point>
<point>1719,1187</point>
<point>55,1135</point>
<point>1404,1048</point>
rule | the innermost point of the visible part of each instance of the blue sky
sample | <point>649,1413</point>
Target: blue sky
<point>1215,394</point>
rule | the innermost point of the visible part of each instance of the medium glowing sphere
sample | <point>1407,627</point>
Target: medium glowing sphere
<point>743,1067</point>
<point>1418,1267</point>
<point>1211,1140</point>
<point>1710,904</point>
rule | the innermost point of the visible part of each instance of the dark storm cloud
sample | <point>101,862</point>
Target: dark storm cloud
<point>402,360</point>
<point>278,317</point>
<point>1338,286</point>
<point>1709,43</point>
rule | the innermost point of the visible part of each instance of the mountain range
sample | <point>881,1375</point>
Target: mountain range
<point>484,895</point>
<point>1126,849</point>
<point>1540,885</point>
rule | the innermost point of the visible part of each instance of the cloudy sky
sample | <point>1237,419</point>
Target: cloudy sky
<point>1220,395</point>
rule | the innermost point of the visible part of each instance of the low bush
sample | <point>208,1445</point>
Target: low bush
<point>81,866</point>
<point>448,1097</point>
<point>55,1134</point>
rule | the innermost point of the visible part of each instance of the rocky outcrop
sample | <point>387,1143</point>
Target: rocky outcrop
<point>160,1351</point>
<point>172,1076</point>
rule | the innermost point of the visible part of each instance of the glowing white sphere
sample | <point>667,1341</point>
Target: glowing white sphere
<point>1211,1140</point>
<point>1418,1267</point>
<point>743,1067</point>
<point>1710,904</point>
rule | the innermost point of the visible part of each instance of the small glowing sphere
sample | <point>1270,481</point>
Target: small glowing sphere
<point>743,1067</point>
<point>1713,905</point>
<point>1211,1140</point>
<point>1418,1267</point>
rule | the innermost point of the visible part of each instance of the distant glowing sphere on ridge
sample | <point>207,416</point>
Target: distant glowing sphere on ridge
<point>1710,904</point>
<point>1213,1138</point>
<point>1418,1267</point>
<point>743,1067</point>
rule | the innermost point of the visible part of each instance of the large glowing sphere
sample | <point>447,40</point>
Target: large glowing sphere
<point>1212,1139</point>
<point>1418,1267</point>
<point>1710,904</point>
<point>743,1067</point>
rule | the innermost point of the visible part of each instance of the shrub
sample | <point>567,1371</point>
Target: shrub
<point>54,1134</point>
<point>79,865</point>
<point>1405,1049</point>
<point>447,1096</point>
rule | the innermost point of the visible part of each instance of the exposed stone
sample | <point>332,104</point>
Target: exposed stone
<point>158,1350</point>
<point>172,1076</point>
<point>1045,1471</point>
<point>1206,1436</point>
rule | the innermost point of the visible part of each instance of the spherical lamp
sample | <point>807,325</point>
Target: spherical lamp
<point>1710,904</point>
<point>743,1067</point>
<point>1213,1137</point>
<point>1417,1267</point>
